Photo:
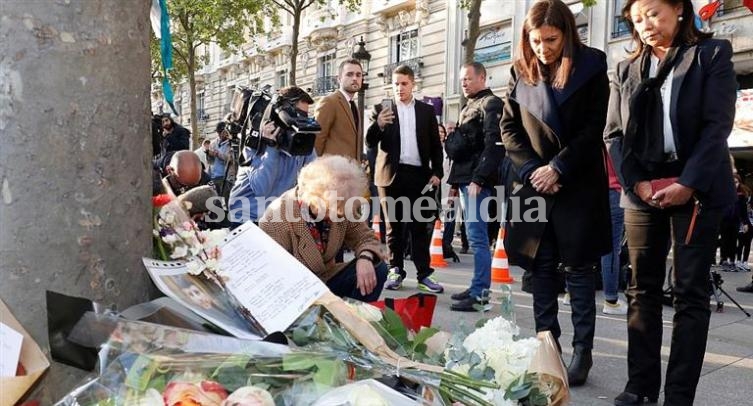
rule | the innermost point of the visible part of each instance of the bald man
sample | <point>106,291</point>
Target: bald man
<point>185,173</point>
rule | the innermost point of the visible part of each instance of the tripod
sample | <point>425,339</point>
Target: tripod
<point>718,291</point>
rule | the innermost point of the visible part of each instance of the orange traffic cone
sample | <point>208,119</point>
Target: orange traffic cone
<point>375,226</point>
<point>500,267</point>
<point>435,249</point>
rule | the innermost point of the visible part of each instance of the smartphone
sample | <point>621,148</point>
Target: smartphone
<point>386,104</point>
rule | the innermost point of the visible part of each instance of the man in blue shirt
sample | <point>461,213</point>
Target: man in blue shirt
<point>270,173</point>
<point>221,156</point>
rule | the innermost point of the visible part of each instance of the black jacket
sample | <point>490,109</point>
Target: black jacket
<point>474,147</point>
<point>387,143</point>
<point>562,128</point>
<point>702,110</point>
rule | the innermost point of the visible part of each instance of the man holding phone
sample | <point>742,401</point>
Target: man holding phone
<point>409,162</point>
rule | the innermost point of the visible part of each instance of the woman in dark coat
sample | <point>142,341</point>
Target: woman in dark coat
<point>551,128</point>
<point>671,110</point>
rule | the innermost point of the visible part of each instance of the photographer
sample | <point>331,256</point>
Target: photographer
<point>220,154</point>
<point>272,171</point>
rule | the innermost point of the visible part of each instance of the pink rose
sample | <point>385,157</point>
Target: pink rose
<point>249,396</point>
<point>206,393</point>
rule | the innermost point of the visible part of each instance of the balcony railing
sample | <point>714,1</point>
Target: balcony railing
<point>325,84</point>
<point>414,64</point>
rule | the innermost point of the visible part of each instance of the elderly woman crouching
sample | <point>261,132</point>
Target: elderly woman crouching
<point>317,218</point>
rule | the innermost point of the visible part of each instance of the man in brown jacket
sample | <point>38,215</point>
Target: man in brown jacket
<point>338,116</point>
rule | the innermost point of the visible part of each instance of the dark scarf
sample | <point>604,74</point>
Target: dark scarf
<point>644,135</point>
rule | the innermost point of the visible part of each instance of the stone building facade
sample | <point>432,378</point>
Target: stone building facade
<point>427,35</point>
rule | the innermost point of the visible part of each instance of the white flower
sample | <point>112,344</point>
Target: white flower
<point>497,332</point>
<point>170,238</point>
<point>179,252</point>
<point>212,264</point>
<point>195,267</point>
<point>249,396</point>
<point>151,397</point>
<point>213,238</point>
<point>363,395</point>
<point>368,312</point>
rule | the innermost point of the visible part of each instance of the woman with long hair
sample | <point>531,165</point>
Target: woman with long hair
<point>551,127</point>
<point>671,108</point>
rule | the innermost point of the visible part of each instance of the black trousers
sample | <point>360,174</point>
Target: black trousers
<point>400,209</point>
<point>547,281</point>
<point>647,233</point>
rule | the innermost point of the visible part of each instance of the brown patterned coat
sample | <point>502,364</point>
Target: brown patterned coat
<point>282,221</point>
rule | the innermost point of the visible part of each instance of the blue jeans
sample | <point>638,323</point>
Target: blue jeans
<point>344,283</point>
<point>610,263</point>
<point>478,237</point>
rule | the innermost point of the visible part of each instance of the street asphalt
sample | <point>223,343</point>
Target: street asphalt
<point>727,376</point>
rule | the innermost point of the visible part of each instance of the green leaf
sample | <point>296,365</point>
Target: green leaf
<point>424,334</point>
<point>329,372</point>
<point>394,326</point>
<point>141,373</point>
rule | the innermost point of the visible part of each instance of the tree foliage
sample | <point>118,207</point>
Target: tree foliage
<point>296,8</point>
<point>197,23</point>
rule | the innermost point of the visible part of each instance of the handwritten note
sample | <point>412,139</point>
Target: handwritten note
<point>266,279</point>
<point>10,350</point>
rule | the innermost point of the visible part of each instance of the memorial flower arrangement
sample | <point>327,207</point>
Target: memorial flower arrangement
<point>200,249</point>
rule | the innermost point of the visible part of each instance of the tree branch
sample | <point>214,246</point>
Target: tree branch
<point>284,7</point>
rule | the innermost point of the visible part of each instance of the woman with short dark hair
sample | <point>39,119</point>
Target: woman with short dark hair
<point>552,124</point>
<point>670,112</point>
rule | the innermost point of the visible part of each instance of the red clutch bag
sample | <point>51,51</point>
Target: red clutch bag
<point>661,183</point>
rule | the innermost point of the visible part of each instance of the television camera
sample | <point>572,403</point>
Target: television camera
<point>252,108</point>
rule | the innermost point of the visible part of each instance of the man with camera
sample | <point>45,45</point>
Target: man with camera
<point>221,155</point>
<point>276,159</point>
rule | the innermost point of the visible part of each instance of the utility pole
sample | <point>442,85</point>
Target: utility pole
<point>75,213</point>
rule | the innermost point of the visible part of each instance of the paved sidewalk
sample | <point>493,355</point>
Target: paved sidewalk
<point>727,377</point>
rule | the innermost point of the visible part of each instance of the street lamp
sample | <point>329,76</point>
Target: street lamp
<point>363,56</point>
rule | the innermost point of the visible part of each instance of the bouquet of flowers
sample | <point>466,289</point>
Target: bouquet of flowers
<point>199,248</point>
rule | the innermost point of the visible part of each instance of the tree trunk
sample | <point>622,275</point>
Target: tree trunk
<point>469,44</point>
<point>192,90</point>
<point>294,47</point>
<point>75,209</point>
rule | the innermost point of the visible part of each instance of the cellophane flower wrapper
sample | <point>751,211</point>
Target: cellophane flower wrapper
<point>152,364</point>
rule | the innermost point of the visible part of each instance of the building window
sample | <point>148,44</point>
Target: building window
<point>229,99</point>
<point>282,79</point>
<point>494,45</point>
<point>326,79</point>
<point>581,20</point>
<point>729,6</point>
<point>620,26</point>
<point>404,46</point>
<point>201,113</point>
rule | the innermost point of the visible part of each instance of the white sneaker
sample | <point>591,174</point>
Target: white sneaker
<point>566,300</point>
<point>620,308</point>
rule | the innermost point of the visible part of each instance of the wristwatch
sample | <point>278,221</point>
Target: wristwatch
<point>371,258</point>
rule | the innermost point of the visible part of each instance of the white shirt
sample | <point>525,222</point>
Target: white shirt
<point>348,97</point>
<point>406,114</point>
<point>666,98</point>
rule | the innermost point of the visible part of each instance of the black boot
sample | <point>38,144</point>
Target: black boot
<point>577,372</point>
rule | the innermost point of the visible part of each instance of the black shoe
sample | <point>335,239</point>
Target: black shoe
<point>747,288</point>
<point>632,399</point>
<point>471,304</point>
<point>462,295</point>
<point>577,372</point>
